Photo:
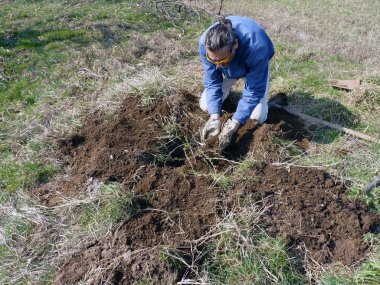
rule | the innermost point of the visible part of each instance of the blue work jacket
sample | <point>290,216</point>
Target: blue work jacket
<point>251,60</point>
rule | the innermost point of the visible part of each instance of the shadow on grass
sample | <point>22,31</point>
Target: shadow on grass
<point>107,33</point>
<point>327,109</point>
<point>109,38</point>
<point>296,128</point>
<point>33,39</point>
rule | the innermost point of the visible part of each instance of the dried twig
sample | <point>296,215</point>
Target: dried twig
<point>220,7</point>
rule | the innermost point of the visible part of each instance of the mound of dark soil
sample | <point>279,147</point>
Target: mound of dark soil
<point>154,151</point>
<point>116,149</point>
<point>312,211</point>
<point>183,208</point>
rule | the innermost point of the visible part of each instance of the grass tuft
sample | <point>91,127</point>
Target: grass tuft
<point>15,175</point>
<point>244,254</point>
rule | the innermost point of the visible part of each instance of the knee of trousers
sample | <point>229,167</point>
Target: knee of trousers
<point>203,101</point>
<point>260,114</point>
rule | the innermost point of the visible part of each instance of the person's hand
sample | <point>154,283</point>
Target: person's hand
<point>211,129</point>
<point>229,128</point>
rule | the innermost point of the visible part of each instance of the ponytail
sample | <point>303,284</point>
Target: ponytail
<point>225,22</point>
<point>221,35</point>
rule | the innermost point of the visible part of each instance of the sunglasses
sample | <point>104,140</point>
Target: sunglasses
<point>223,61</point>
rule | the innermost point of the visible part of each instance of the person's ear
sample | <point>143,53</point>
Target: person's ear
<point>236,43</point>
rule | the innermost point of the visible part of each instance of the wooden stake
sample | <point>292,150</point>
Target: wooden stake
<point>328,124</point>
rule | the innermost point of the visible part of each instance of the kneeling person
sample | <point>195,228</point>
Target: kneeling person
<point>234,48</point>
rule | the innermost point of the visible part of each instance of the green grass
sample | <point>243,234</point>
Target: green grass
<point>35,55</point>
<point>243,254</point>
<point>302,71</point>
<point>15,175</point>
<point>39,41</point>
<point>173,258</point>
<point>254,267</point>
<point>361,168</point>
<point>59,59</point>
<point>287,149</point>
<point>54,57</point>
<point>223,181</point>
<point>111,205</point>
<point>305,80</point>
<point>325,135</point>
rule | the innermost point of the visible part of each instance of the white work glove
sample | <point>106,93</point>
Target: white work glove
<point>229,128</point>
<point>212,127</point>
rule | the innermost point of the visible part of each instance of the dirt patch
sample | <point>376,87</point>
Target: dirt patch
<point>182,209</point>
<point>155,152</point>
<point>312,211</point>
<point>115,149</point>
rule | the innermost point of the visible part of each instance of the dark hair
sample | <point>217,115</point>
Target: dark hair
<point>221,35</point>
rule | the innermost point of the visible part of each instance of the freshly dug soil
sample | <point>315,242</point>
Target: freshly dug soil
<point>311,210</point>
<point>182,209</point>
<point>155,151</point>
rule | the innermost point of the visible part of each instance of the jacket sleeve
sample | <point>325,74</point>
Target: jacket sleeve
<point>213,80</point>
<point>255,85</point>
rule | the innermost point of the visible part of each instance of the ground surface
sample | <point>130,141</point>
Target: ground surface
<point>129,197</point>
<point>154,152</point>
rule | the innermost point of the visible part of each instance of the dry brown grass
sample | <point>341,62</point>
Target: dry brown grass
<point>346,27</point>
<point>95,78</point>
<point>101,78</point>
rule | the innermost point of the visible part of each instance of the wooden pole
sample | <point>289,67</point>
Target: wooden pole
<point>328,124</point>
